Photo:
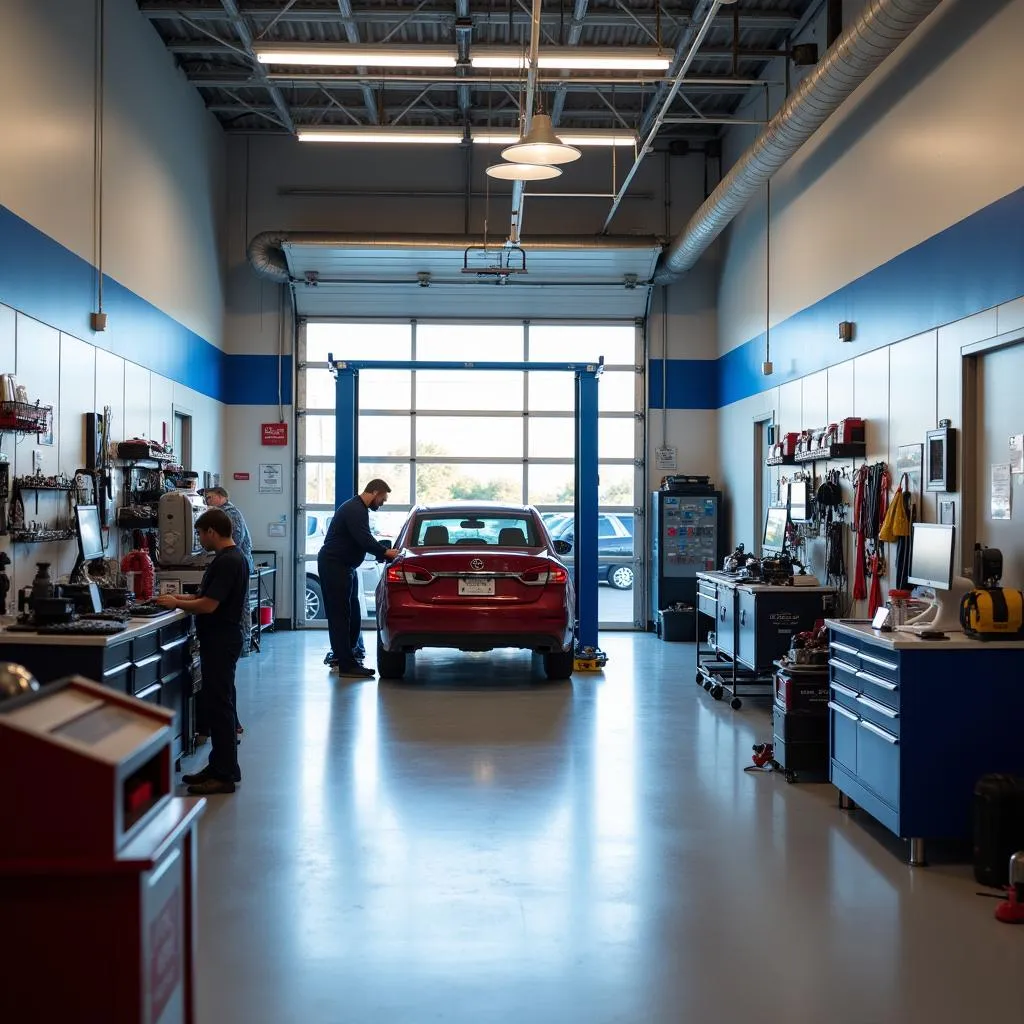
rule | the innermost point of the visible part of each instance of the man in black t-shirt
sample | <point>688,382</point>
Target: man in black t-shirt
<point>218,611</point>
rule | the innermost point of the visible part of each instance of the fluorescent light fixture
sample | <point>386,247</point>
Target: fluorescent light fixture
<point>523,172</point>
<point>414,136</point>
<point>353,56</point>
<point>574,58</point>
<point>570,136</point>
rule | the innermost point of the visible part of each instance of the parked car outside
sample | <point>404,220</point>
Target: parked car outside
<point>384,525</point>
<point>475,577</point>
<point>614,544</point>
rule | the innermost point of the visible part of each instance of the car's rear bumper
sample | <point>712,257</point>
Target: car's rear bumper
<point>543,643</point>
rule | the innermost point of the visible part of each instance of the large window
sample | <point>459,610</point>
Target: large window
<point>504,435</point>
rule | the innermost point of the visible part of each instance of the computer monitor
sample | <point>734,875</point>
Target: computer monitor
<point>798,501</point>
<point>90,536</point>
<point>774,540</point>
<point>931,556</point>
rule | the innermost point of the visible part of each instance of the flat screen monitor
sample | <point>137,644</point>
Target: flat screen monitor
<point>931,556</point>
<point>798,501</point>
<point>90,536</point>
<point>774,539</point>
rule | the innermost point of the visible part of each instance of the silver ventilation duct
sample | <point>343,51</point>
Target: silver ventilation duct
<point>267,256</point>
<point>877,32</point>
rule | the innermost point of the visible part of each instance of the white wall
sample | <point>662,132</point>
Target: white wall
<point>76,377</point>
<point>163,153</point>
<point>933,136</point>
<point>243,454</point>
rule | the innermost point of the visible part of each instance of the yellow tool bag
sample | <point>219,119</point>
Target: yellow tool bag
<point>993,614</point>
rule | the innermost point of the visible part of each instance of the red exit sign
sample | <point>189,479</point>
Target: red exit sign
<point>275,433</point>
<point>241,476</point>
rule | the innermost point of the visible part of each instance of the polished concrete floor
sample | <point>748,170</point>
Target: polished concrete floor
<point>477,845</point>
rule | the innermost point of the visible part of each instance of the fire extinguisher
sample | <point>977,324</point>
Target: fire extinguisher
<point>139,562</point>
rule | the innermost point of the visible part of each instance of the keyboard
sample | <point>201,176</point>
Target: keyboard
<point>108,615</point>
<point>81,628</point>
<point>148,611</point>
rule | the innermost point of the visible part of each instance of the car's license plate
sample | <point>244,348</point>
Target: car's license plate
<point>476,588</point>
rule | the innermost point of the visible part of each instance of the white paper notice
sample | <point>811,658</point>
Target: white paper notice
<point>1002,490</point>
<point>665,458</point>
<point>271,478</point>
<point>1017,453</point>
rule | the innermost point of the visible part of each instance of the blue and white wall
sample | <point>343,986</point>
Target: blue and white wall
<point>905,214</point>
<point>162,238</point>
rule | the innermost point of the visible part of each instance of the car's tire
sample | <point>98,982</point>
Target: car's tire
<point>559,664</point>
<point>390,664</point>
<point>314,600</point>
<point>621,577</point>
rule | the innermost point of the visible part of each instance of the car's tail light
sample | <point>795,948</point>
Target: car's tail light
<point>409,574</point>
<point>542,575</point>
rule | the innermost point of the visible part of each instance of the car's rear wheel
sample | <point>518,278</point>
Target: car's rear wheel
<point>390,664</point>
<point>559,664</point>
<point>314,600</point>
<point>621,577</point>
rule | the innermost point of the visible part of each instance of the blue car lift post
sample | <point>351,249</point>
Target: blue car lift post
<point>346,468</point>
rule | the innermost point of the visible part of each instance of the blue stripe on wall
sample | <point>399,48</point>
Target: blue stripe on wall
<point>50,283</point>
<point>252,380</point>
<point>691,384</point>
<point>974,265</point>
<point>971,266</point>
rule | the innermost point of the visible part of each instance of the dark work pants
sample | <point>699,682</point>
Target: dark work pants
<point>339,583</point>
<point>218,657</point>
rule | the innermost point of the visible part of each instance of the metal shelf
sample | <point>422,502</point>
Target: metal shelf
<point>854,450</point>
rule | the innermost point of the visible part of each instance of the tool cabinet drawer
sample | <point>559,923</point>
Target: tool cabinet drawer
<point>878,761</point>
<point>726,627</point>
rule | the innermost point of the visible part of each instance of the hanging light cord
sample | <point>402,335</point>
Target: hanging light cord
<point>98,152</point>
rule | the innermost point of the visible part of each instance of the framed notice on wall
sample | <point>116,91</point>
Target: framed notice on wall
<point>271,478</point>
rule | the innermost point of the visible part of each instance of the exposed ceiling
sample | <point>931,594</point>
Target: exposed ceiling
<point>212,42</point>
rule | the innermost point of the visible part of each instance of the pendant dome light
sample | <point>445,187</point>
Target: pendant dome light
<point>541,145</point>
<point>523,172</point>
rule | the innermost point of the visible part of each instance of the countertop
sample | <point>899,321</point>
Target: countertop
<point>861,629</point>
<point>743,583</point>
<point>133,628</point>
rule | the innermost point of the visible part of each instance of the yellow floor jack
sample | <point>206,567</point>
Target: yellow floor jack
<point>589,659</point>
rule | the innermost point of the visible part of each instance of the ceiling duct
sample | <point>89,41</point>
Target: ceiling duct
<point>877,32</point>
<point>267,250</point>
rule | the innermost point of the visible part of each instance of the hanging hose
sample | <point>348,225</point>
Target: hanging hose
<point>860,586</point>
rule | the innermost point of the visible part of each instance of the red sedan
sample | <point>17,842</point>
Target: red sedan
<point>475,577</point>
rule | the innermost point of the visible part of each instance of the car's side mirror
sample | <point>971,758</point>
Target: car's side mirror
<point>386,541</point>
<point>562,547</point>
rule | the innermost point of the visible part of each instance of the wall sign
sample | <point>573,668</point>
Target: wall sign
<point>240,476</point>
<point>271,478</point>
<point>275,433</point>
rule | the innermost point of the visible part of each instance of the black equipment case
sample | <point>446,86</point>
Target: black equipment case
<point>998,827</point>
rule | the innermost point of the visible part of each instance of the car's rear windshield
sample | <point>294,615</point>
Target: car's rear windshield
<point>439,531</point>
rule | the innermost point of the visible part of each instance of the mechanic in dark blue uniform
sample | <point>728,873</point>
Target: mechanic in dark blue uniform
<point>218,612</point>
<point>347,543</point>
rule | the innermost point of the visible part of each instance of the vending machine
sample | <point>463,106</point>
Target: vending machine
<point>687,537</point>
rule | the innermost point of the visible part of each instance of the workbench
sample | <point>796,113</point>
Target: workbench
<point>751,625</point>
<point>915,723</point>
<point>155,659</point>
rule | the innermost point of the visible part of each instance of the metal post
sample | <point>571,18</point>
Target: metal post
<point>346,432</point>
<point>586,554</point>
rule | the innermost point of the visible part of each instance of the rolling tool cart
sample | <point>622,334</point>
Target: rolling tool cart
<point>800,721</point>
<point>754,624</point>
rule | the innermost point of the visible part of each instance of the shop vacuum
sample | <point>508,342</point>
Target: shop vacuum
<point>989,611</point>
